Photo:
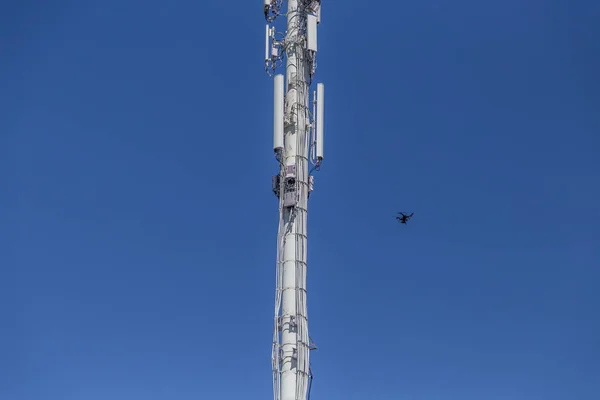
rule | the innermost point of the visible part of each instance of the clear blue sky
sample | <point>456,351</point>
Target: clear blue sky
<point>138,227</point>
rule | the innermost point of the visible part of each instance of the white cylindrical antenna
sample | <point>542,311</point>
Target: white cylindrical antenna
<point>313,129</point>
<point>278,113</point>
<point>267,43</point>
<point>320,104</point>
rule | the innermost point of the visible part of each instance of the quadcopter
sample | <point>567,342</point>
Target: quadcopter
<point>403,218</point>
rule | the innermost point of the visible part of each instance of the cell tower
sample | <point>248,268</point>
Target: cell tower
<point>298,142</point>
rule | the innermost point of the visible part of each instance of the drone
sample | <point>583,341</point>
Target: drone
<point>403,218</point>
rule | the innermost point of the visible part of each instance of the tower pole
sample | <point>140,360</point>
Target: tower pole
<point>294,217</point>
<point>297,143</point>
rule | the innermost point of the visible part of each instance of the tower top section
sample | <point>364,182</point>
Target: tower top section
<point>301,30</point>
<point>272,8</point>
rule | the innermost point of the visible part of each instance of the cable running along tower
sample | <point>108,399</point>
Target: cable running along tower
<point>298,145</point>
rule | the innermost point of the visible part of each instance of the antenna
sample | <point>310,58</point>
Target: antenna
<point>297,140</point>
<point>267,34</point>
<point>311,32</point>
<point>320,106</point>
<point>278,114</point>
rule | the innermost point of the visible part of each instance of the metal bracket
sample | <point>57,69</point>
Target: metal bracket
<point>293,324</point>
<point>311,344</point>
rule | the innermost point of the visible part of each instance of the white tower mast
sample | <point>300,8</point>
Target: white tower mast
<point>298,142</point>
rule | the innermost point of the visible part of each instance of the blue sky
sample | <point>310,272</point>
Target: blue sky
<point>138,226</point>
